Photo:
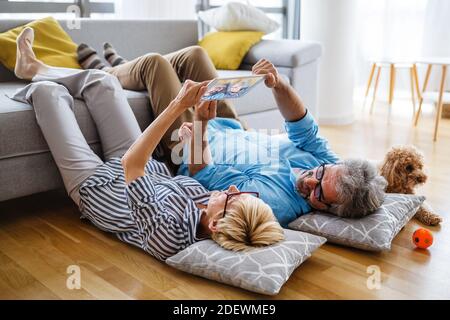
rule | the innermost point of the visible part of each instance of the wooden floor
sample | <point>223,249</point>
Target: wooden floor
<point>41,235</point>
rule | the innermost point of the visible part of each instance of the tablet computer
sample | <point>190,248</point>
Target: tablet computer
<point>230,88</point>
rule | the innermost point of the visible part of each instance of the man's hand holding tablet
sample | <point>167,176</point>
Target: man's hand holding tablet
<point>267,69</point>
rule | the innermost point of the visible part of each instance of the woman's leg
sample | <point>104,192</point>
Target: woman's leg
<point>53,106</point>
<point>106,101</point>
<point>104,97</point>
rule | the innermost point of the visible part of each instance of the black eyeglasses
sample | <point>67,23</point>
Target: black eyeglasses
<point>232,194</point>
<point>318,190</point>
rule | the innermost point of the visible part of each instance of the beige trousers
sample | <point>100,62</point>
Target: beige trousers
<point>162,76</point>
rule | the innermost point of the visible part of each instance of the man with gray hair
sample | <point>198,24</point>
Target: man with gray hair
<point>303,174</point>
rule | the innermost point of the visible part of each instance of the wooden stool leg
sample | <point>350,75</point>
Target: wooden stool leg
<point>440,102</point>
<point>416,81</point>
<point>391,84</point>
<point>413,96</point>
<point>372,71</point>
<point>424,88</point>
<point>377,79</point>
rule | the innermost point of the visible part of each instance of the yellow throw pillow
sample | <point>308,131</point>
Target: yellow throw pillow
<point>227,49</point>
<point>52,45</point>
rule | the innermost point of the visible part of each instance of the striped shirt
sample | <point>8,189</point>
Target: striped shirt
<point>156,212</point>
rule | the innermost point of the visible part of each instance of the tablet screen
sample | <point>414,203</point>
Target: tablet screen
<point>230,88</point>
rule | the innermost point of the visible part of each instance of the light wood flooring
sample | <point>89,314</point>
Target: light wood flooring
<point>41,235</point>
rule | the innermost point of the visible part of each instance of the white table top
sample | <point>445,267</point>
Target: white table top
<point>407,62</point>
<point>395,64</point>
<point>434,60</point>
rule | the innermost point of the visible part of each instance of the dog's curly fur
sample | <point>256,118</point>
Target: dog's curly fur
<point>403,170</point>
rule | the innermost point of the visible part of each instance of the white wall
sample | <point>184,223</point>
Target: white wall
<point>331,22</point>
<point>436,38</point>
<point>403,30</point>
<point>163,9</point>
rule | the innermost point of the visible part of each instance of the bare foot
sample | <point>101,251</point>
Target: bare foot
<point>27,65</point>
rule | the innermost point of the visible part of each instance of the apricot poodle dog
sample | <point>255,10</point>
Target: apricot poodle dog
<point>403,170</point>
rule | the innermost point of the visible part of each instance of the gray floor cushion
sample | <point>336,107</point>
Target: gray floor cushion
<point>262,270</point>
<point>374,232</point>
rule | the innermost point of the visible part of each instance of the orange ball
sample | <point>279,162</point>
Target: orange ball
<point>422,238</point>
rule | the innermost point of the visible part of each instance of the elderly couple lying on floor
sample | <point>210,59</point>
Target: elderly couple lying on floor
<point>142,201</point>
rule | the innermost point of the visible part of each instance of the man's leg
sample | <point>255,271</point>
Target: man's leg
<point>53,106</point>
<point>194,63</point>
<point>111,55</point>
<point>89,59</point>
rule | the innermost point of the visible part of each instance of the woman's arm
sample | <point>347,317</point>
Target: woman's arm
<point>139,153</point>
<point>200,154</point>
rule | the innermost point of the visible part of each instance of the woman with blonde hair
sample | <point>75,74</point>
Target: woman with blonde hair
<point>247,223</point>
<point>127,192</point>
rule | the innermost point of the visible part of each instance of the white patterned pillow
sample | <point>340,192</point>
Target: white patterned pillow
<point>262,270</point>
<point>374,232</point>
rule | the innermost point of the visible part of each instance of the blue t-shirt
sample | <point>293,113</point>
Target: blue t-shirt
<point>256,161</point>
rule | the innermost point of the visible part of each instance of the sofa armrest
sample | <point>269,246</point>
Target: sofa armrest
<point>284,53</point>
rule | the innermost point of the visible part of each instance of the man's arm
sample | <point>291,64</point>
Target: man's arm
<point>301,128</point>
<point>288,101</point>
<point>139,153</point>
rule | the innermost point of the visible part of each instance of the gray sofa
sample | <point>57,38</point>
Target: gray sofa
<point>26,165</point>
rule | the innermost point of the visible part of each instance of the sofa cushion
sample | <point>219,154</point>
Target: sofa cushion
<point>259,99</point>
<point>227,49</point>
<point>18,119</point>
<point>24,137</point>
<point>21,176</point>
<point>295,53</point>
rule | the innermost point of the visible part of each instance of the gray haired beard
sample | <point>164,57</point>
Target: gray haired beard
<point>305,197</point>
